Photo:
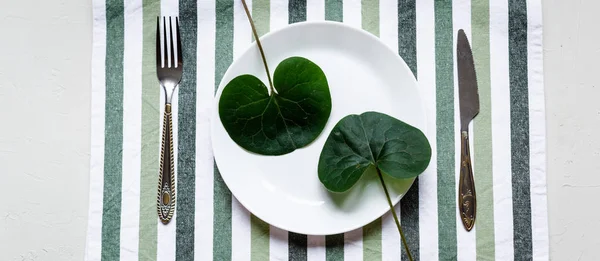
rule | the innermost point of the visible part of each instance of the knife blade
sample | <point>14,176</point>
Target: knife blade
<point>469,108</point>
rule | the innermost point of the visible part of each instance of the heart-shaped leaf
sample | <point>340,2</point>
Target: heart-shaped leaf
<point>280,122</point>
<point>371,139</point>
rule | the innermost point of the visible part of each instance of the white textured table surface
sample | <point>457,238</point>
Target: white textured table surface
<point>44,137</point>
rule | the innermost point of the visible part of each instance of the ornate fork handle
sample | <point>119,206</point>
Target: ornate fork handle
<point>166,182</point>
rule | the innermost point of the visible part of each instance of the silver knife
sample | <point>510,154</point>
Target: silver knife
<point>469,108</point>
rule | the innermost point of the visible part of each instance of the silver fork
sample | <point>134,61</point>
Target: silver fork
<point>169,77</point>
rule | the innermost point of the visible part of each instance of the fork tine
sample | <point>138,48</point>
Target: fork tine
<point>158,49</point>
<point>179,51</point>
<point>172,46</point>
<point>166,47</point>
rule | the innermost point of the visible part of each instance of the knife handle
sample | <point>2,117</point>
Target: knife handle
<point>467,201</point>
<point>166,181</point>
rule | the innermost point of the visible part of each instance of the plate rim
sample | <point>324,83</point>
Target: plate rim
<point>214,119</point>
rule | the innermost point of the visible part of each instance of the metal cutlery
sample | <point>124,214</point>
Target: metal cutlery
<point>169,68</point>
<point>469,108</point>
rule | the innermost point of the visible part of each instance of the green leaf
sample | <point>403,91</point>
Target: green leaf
<point>280,122</point>
<point>371,139</point>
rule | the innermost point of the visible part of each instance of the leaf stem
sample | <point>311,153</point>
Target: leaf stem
<point>387,195</point>
<point>262,53</point>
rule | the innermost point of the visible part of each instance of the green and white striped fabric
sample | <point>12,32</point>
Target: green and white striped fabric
<point>210,224</point>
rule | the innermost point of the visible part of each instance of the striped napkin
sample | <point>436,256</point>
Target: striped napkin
<point>210,224</point>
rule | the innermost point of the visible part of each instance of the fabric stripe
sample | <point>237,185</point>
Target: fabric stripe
<point>315,10</point>
<point>353,245</point>
<point>539,204</point>
<point>407,34</point>
<point>259,230</point>
<point>370,16</point>
<point>461,16</point>
<point>409,209</point>
<point>297,242</point>
<point>316,250</point>
<point>334,247</point>
<point>241,226</point>
<point>93,248</point>
<point>503,233</point>
<point>278,246</point>
<point>278,238</point>
<point>280,15</point>
<point>113,136</point>
<point>186,149</point>
<point>150,135</point>
<point>297,247</point>
<point>390,239</point>
<point>388,23</point>
<point>222,195</point>
<point>482,126</point>
<point>372,236</point>
<point>221,219</point>
<point>426,70</point>
<point>519,115</point>
<point>261,14</point>
<point>240,217</point>
<point>132,115</point>
<point>334,244</point>
<point>391,244</point>
<point>445,139</point>
<point>351,13</point>
<point>334,10</point>
<point>204,158</point>
<point>296,11</point>
<point>371,233</point>
<point>407,49</point>
<point>260,239</point>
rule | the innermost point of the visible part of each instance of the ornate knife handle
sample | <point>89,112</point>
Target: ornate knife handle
<point>166,181</point>
<point>467,202</point>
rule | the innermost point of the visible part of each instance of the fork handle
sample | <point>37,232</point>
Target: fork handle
<point>467,201</point>
<point>166,181</point>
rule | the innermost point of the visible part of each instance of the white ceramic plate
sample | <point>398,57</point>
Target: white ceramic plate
<point>363,75</point>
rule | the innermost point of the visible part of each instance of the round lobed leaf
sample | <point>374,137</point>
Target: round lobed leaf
<point>280,122</point>
<point>371,139</point>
